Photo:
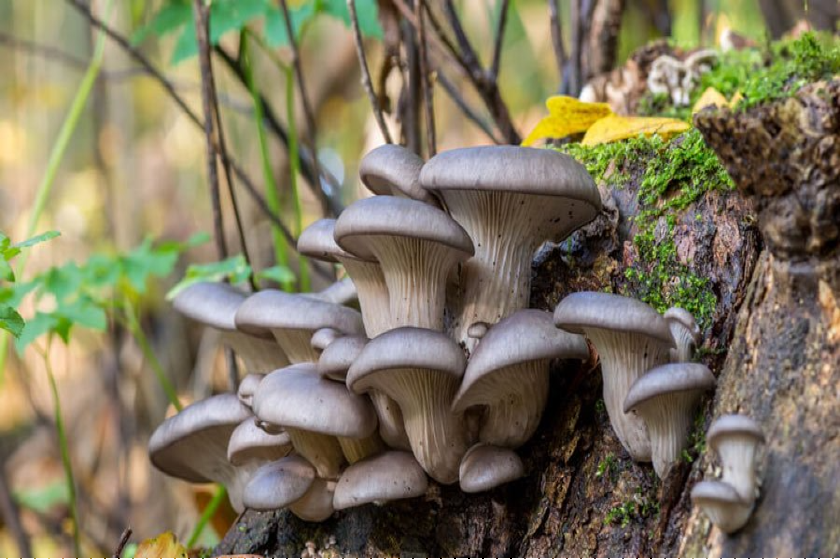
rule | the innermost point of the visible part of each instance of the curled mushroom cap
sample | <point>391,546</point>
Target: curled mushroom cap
<point>393,169</point>
<point>508,373</point>
<point>248,443</point>
<point>292,319</point>
<point>485,467</point>
<point>247,388</point>
<point>510,200</point>
<point>278,484</point>
<point>631,338</point>
<point>323,337</point>
<point>665,399</point>
<point>685,331</point>
<point>416,246</point>
<point>342,292</point>
<point>305,404</point>
<point>421,370</point>
<point>337,357</point>
<point>192,445</point>
<point>722,504</point>
<point>735,438</point>
<point>215,305</point>
<point>389,476</point>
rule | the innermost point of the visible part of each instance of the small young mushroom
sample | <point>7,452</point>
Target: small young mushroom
<point>421,370</point>
<point>247,388</point>
<point>686,334</point>
<point>510,200</point>
<point>485,467</point>
<point>293,318</point>
<point>279,483</point>
<point>322,338</point>
<point>249,444</point>
<point>337,357</point>
<point>665,399</point>
<point>722,504</point>
<point>507,374</point>
<point>215,305</point>
<point>395,170</point>
<point>631,338</point>
<point>313,410</point>
<point>385,477</point>
<point>415,244</point>
<point>736,438</point>
<point>316,505</point>
<point>192,444</point>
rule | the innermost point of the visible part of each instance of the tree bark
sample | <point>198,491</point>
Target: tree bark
<point>774,339</point>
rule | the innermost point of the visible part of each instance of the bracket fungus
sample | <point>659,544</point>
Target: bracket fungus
<point>685,331</point>
<point>416,246</point>
<point>385,477</point>
<point>293,319</point>
<point>314,411</point>
<point>735,438</point>
<point>665,398</point>
<point>631,338</point>
<point>510,200</point>
<point>192,444</point>
<point>420,369</point>
<point>485,467</point>
<point>507,375</point>
<point>215,306</point>
<point>722,504</point>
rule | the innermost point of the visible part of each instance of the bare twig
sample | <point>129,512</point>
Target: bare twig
<point>470,58</point>
<point>366,81</point>
<point>425,79</point>
<point>468,111</point>
<point>328,204</point>
<point>500,36</point>
<point>122,543</point>
<point>411,96</point>
<point>557,41</point>
<point>11,516</point>
<point>200,12</point>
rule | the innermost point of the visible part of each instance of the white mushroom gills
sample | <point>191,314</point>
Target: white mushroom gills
<point>736,439</point>
<point>722,504</point>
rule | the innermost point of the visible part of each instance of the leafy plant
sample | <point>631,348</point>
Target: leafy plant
<point>10,319</point>
<point>175,17</point>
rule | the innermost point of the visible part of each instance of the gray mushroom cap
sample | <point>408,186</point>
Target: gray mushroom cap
<point>667,380</point>
<point>722,504</point>
<point>250,443</point>
<point>584,310</point>
<point>248,387</point>
<point>323,337</point>
<point>341,292</point>
<point>685,331</point>
<point>337,358</point>
<point>273,309</point>
<point>734,424</point>
<point>211,303</point>
<point>278,484</point>
<point>389,476</point>
<point>736,438</point>
<point>393,169</point>
<point>485,467</point>
<point>318,241</point>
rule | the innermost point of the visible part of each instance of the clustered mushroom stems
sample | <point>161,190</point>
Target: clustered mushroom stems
<point>296,344</point>
<point>322,451</point>
<point>359,449</point>
<point>373,294</point>
<point>668,426</point>
<point>260,355</point>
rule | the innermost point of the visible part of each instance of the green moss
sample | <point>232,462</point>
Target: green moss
<point>609,163</point>
<point>638,507</point>
<point>696,443</point>
<point>608,467</point>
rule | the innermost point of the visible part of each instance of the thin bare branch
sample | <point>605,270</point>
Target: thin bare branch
<point>200,14</point>
<point>497,45</point>
<point>367,84</point>
<point>467,53</point>
<point>468,111</point>
<point>11,516</point>
<point>557,41</point>
<point>425,79</point>
<point>122,543</point>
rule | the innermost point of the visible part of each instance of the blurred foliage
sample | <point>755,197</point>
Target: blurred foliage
<point>233,270</point>
<point>10,319</point>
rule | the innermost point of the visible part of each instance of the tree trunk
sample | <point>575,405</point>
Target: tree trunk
<point>773,336</point>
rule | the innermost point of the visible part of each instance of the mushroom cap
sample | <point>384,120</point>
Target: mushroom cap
<point>390,216</point>
<point>249,442</point>
<point>316,505</point>
<point>668,379</point>
<point>211,303</point>
<point>406,347</point>
<point>176,446</point>
<point>318,241</point>
<point>714,490</point>
<point>323,337</point>
<point>526,335</point>
<point>337,358</point>
<point>722,504</point>
<point>512,168</point>
<point>611,312</point>
<point>248,387</point>
<point>477,330</point>
<point>685,318</point>
<point>271,308</point>
<point>298,397</point>
<point>388,476</point>
<point>341,292</point>
<point>278,484</point>
<point>392,167</point>
<point>728,425</point>
<point>484,467</point>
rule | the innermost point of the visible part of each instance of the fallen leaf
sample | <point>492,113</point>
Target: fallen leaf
<point>714,98</point>
<point>614,128</point>
<point>567,115</point>
<point>162,545</point>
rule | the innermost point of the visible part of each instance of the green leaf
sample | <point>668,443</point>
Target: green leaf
<point>6,272</point>
<point>167,20</point>
<point>11,321</point>
<point>275,26</point>
<point>146,260</point>
<point>366,10</point>
<point>280,274</point>
<point>37,239</point>
<point>186,47</point>
<point>43,499</point>
<point>233,15</point>
<point>84,312</point>
<point>234,269</point>
<point>35,327</point>
<point>62,281</point>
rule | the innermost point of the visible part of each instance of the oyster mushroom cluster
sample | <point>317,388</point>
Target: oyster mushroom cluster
<point>445,371</point>
<point>729,502</point>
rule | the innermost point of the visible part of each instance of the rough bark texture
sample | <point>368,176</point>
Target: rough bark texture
<point>583,496</point>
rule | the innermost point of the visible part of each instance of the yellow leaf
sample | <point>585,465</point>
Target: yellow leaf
<point>710,98</point>
<point>614,128</point>
<point>567,115</point>
<point>162,545</point>
<point>735,99</point>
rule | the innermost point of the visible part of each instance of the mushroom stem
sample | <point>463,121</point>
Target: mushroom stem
<point>296,344</point>
<point>512,421</point>
<point>359,449</point>
<point>373,294</point>
<point>259,355</point>
<point>322,451</point>
<point>668,421</point>
<point>391,425</point>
